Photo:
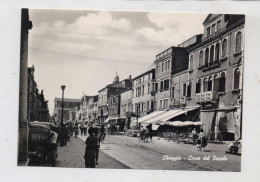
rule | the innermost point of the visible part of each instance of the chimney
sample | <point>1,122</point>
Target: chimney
<point>130,77</point>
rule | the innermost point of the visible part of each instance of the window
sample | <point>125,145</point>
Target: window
<point>156,69</point>
<point>147,106</point>
<point>166,66</point>
<point>217,52</point>
<point>208,31</point>
<point>155,104</point>
<point>205,85</point>
<point>224,48</point>
<point>218,25</point>
<point>161,88</point>
<point>184,89</point>
<point>148,88</point>
<point>156,87</point>
<point>207,56</point>
<point>166,84</point>
<point>222,82</point>
<point>143,89</point>
<point>172,92</point>
<point>165,104</point>
<point>162,66</point>
<point>213,28</point>
<point>201,58</point>
<point>238,41</point>
<point>236,78</point>
<point>211,55</point>
<point>191,62</point>
<point>189,90</point>
<point>216,83</point>
<point>198,86</point>
<point>210,84</point>
<point>161,106</point>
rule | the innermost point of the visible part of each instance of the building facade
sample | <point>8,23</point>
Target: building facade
<point>143,93</point>
<point>171,61</point>
<point>37,106</point>
<point>69,109</point>
<point>215,75</point>
<point>110,90</point>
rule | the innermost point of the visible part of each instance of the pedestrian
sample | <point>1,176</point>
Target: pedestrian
<point>81,129</point>
<point>84,129</point>
<point>150,131</point>
<point>91,148</point>
<point>98,136</point>
<point>194,135</point>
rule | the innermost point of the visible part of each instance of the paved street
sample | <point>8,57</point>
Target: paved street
<point>168,155</point>
<point>72,156</point>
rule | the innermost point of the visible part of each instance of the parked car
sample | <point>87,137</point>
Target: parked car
<point>49,125</point>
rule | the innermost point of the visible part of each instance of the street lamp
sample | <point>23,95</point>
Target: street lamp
<point>62,88</point>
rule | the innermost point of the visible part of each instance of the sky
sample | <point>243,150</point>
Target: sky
<point>84,49</point>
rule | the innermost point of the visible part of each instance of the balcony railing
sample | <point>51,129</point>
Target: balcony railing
<point>209,96</point>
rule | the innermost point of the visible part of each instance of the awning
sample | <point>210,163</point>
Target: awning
<point>109,119</point>
<point>149,116</point>
<point>185,123</point>
<point>167,114</point>
<point>177,113</point>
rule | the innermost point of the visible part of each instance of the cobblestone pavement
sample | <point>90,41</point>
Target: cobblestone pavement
<point>168,155</point>
<point>72,156</point>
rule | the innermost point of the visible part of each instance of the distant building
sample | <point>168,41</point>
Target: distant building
<point>69,111</point>
<point>107,92</point>
<point>143,93</point>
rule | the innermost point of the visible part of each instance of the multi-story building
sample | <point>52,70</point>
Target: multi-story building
<point>214,77</point>
<point>107,92</point>
<point>126,105</point>
<point>92,109</point>
<point>171,61</point>
<point>37,106</point>
<point>143,93</point>
<point>69,109</point>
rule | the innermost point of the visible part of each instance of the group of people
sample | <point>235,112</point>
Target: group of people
<point>93,141</point>
<point>146,133</point>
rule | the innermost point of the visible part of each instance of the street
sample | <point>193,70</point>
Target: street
<point>123,152</point>
<point>72,156</point>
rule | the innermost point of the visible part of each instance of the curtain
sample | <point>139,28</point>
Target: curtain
<point>207,118</point>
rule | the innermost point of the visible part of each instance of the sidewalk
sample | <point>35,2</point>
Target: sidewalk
<point>72,156</point>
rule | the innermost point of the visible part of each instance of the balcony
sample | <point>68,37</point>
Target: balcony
<point>211,65</point>
<point>204,97</point>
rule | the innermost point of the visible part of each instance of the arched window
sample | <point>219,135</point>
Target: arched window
<point>238,41</point>
<point>224,48</point>
<point>211,55</point>
<point>201,58</point>
<point>210,84</point>
<point>217,52</point>
<point>205,85</point>
<point>207,56</point>
<point>216,83</point>
<point>198,86</point>
<point>236,78</point>
<point>222,82</point>
<point>191,62</point>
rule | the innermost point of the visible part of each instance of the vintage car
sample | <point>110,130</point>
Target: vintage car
<point>39,148</point>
